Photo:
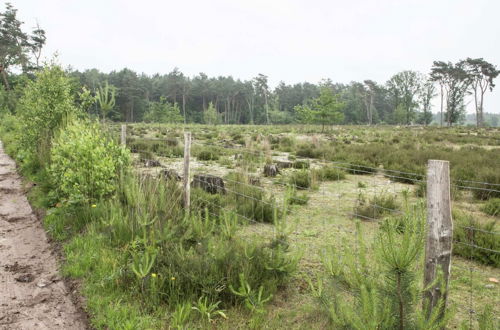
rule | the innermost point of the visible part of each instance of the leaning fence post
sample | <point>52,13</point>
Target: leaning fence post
<point>123,136</point>
<point>438,244</point>
<point>187,187</point>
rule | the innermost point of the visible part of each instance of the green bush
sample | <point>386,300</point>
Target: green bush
<point>376,207</point>
<point>250,201</point>
<point>46,104</point>
<point>492,207</point>
<point>484,191</point>
<point>308,151</point>
<point>475,240</point>
<point>85,164</point>
<point>297,199</point>
<point>301,164</point>
<point>302,179</point>
<point>208,154</point>
<point>330,173</point>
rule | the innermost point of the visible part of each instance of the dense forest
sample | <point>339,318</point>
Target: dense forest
<point>126,95</point>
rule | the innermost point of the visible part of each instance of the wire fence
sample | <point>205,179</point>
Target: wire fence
<point>379,195</point>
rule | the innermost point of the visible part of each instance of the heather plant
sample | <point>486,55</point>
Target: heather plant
<point>492,207</point>
<point>469,232</point>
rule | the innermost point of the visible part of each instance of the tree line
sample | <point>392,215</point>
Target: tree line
<point>406,98</point>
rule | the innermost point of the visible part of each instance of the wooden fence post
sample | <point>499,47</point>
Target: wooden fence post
<point>123,136</point>
<point>187,187</point>
<point>439,240</point>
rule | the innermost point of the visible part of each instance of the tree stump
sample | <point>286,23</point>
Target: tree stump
<point>210,183</point>
<point>170,175</point>
<point>271,170</point>
<point>152,163</point>
<point>254,180</point>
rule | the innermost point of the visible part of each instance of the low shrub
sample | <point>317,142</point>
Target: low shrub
<point>303,179</point>
<point>492,207</point>
<point>376,207</point>
<point>295,198</point>
<point>146,155</point>
<point>409,174</point>
<point>208,154</point>
<point>85,164</point>
<point>301,164</point>
<point>484,191</point>
<point>330,173</point>
<point>475,240</point>
<point>360,168</point>
<point>202,202</point>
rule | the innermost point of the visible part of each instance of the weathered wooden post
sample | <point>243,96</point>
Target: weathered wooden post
<point>123,136</point>
<point>187,187</point>
<point>438,245</point>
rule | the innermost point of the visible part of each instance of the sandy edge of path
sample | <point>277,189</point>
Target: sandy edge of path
<point>33,295</point>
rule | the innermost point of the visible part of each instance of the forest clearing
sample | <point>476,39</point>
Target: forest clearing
<point>184,200</point>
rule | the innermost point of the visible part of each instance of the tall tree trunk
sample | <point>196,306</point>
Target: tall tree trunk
<point>371,109</point>
<point>478,119</point>
<point>267,108</point>
<point>184,106</point>
<point>4,77</point>
<point>481,114</point>
<point>442,99</point>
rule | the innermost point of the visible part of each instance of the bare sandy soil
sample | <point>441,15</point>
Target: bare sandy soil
<point>32,293</point>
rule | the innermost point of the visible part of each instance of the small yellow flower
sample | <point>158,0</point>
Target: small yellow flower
<point>94,206</point>
<point>172,278</point>
<point>153,275</point>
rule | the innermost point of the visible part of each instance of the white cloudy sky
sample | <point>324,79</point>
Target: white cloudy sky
<point>293,41</point>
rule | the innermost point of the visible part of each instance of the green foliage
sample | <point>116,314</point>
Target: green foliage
<point>330,173</point>
<point>207,310</point>
<point>180,316</point>
<point>376,207</point>
<point>164,148</point>
<point>324,110</point>
<point>492,207</point>
<point>294,198</point>
<point>303,179</point>
<point>43,109</point>
<point>105,97</point>
<point>484,192</point>
<point>211,117</point>
<point>254,300</point>
<point>163,112</point>
<point>301,164</point>
<point>85,164</point>
<point>475,240</point>
<point>18,46</point>
<point>208,154</point>
<point>385,291</point>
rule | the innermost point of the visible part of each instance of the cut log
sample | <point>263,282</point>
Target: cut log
<point>210,183</point>
<point>271,170</point>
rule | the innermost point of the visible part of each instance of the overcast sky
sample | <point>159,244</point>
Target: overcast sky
<point>293,41</point>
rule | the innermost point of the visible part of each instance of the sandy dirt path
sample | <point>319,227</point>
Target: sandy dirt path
<point>32,293</point>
